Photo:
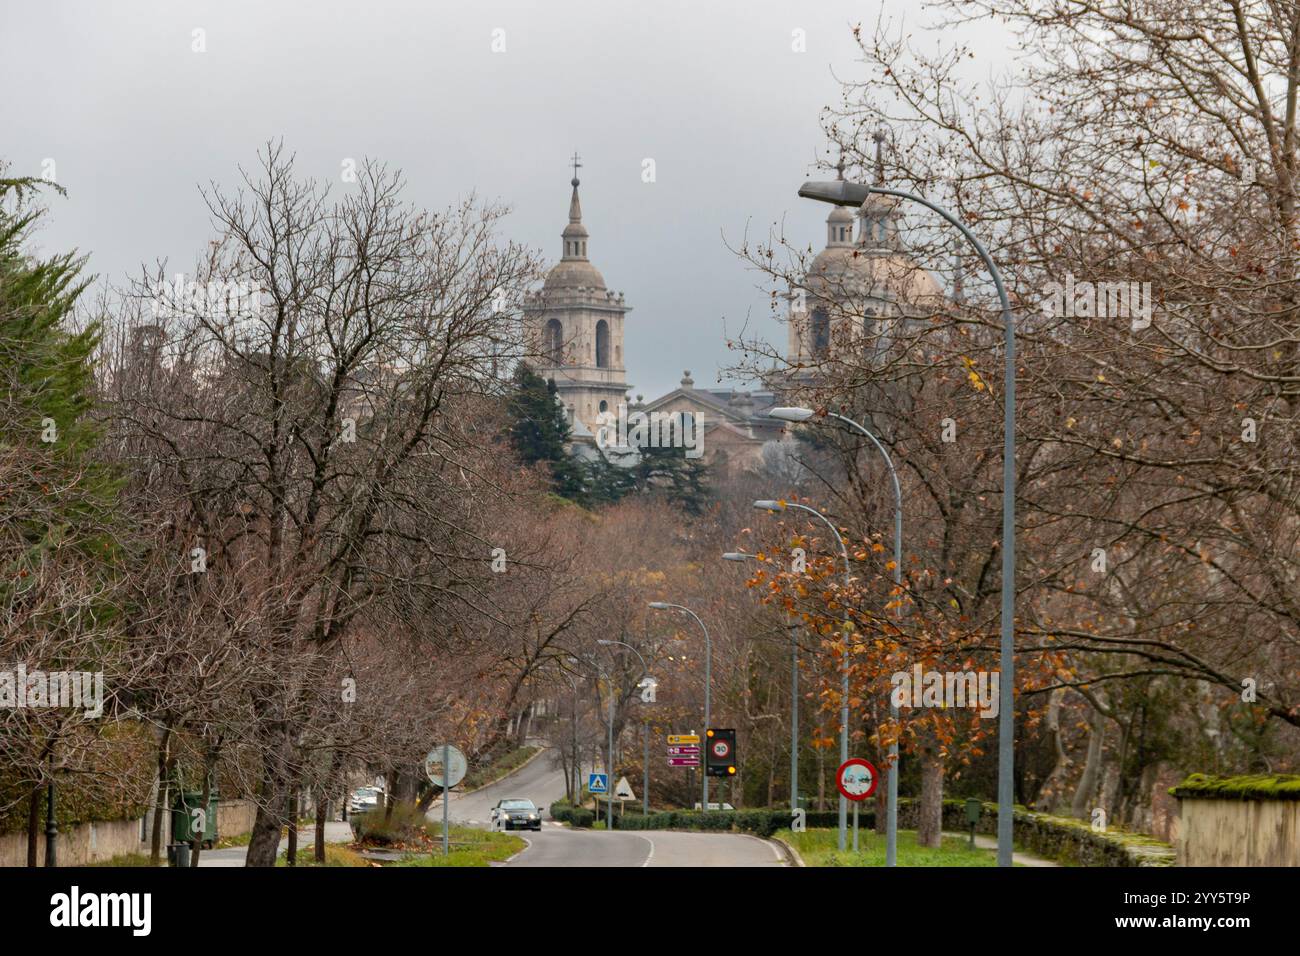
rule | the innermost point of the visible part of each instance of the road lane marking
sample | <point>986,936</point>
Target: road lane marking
<point>776,852</point>
<point>528,846</point>
<point>651,854</point>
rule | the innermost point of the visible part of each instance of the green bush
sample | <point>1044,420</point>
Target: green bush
<point>402,826</point>
<point>582,817</point>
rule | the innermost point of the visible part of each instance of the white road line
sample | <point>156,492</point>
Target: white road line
<point>651,854</point>
<point>776,851</point>
<point>527,847</point>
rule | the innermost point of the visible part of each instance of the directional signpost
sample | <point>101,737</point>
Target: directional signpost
<point>683,750</point>
<point>856,779</point>
<point>445,767</point>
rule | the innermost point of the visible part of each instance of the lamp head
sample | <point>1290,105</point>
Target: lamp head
<point>659,605</point>
<point>791,413</point>
<point>736,556</point>
<point>767,504</point>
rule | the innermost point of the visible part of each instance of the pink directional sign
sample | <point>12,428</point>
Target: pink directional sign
<point>683,761</point>
<point>685,751</point>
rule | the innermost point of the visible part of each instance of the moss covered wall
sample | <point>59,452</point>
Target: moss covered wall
<point>1239,821</point>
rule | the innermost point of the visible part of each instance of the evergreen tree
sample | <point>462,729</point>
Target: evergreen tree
<point>46,434</point>
<point>539,431</point>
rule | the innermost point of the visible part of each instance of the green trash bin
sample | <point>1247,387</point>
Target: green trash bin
<point>183,820</point>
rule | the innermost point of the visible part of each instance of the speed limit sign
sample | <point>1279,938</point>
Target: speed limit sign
<point>720,749</point>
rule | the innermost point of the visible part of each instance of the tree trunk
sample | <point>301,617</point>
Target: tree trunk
<point>929,825</point>
<point>1081,806</point>
<point>160,805</point>
<point>1049,794</point>
<point>264,843</point>
<point>821,778</point>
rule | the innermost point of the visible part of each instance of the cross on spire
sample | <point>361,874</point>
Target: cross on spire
<point>879,137</point>
<point>576,166</point>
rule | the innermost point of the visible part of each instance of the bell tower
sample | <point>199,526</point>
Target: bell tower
<point>578,325</point>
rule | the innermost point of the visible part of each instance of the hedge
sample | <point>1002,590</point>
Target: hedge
<point>1063,839</point>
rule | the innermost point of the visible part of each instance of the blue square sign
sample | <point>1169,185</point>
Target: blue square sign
<point>597,783</point>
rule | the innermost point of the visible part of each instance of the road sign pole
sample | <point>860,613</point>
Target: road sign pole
<point>645,774</point>
<point>855,827</point>
<point>609,790</point>
<point>446,798</point>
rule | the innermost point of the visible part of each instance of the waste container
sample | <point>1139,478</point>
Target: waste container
<point>178,854</point>
<point>183,817</point>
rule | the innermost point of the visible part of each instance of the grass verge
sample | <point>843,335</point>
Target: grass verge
<point>818,848</point>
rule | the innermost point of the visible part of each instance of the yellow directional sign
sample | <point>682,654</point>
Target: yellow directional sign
<point>683,738</point>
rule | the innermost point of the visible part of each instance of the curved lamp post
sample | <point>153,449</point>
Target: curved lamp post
<point>774,506</point>
<point>708,678</point>
<point>795,414</point>
<point>842,193</point>
<point>794,693</point>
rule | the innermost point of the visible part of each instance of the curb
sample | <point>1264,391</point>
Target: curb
<point>792,855</point>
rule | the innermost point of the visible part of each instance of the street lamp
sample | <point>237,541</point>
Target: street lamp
<point>794,693</point>
<point>767,504</point>
<point>708,678</point>
<point>645,758</point>
<point>798,414</point>
<point>842,193</point>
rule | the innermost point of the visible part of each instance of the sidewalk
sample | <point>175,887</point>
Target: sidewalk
<point>991,843</point>
<point>336,831</point>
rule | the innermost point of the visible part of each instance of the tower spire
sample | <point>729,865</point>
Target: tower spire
<point>575,233</point>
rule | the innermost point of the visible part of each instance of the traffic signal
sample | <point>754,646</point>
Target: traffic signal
<point>720,752</point>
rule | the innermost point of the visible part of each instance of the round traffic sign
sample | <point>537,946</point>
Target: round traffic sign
<point>856,779</point>
<point>720,749</point>
<point>455,771</point>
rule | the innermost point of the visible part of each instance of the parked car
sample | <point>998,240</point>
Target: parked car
<point>516,814</point>
<point>364,799</point>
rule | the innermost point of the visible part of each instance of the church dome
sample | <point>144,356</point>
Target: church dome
<point>875,264</point>
<point>574,270</point>
<point>574,274</point>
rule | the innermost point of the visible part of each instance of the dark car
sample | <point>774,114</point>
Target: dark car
<point>516,815</point>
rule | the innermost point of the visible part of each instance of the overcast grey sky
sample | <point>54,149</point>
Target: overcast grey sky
<point>712,91</point>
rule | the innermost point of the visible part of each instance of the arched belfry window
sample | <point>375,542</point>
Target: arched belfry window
<point>553,342</point>
<point>602,344</point>
<point>821,333</point>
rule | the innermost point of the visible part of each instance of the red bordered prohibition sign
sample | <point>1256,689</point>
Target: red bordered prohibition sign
<point>857,793</point>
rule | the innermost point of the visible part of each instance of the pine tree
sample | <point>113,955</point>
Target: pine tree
<point>539,432</point>
<point>47,435</point>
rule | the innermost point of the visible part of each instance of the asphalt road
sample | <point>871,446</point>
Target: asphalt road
<point>560,846</point>
<point>541,781</point>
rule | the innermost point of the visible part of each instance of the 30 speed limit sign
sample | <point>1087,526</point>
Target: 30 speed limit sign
<point>857,778</point>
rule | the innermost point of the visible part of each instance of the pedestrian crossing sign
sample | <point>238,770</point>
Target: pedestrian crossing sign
<point>597,783</point>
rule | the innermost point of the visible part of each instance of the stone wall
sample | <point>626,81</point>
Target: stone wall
<point>88,843</point>
<point>82,844</point>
